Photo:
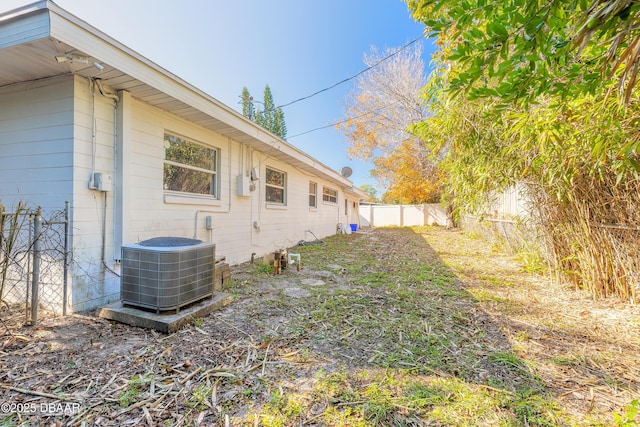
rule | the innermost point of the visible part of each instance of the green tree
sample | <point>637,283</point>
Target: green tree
<point>518,50</point>
<point>517,97</point>
<point>371,191</point>
<point>279,125</point>
<point>266,116</point>
<point>269,117</point>
<point>248,109</point>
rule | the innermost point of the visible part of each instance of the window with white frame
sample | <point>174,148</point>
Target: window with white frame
<point>329,195</point>
<point>346,207</point>
<point>275,186</point>
<point>190,167</point>
<point>313,194</point>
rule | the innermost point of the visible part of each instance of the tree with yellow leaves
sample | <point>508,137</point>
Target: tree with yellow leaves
<point>386,100</point>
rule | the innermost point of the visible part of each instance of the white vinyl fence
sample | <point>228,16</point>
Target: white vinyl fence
<point>375,215</point>
<point>512,202</point>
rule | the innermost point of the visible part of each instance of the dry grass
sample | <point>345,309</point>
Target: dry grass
<point>387,327</point>
<point>585,351</point>
<point>594,232</point>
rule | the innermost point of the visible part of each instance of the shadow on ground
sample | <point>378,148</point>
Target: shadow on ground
<point>391,337</point>
<point>375,330</point>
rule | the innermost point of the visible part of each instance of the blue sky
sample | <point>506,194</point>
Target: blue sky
<point>296,47</point>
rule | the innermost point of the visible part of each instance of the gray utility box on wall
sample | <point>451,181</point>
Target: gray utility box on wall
<point>167,273</point>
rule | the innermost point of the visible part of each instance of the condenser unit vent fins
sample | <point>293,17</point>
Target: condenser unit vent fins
<point>167,273</point>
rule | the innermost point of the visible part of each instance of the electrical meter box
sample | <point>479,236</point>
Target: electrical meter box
<point>102,181</point>
<point>243,189</point>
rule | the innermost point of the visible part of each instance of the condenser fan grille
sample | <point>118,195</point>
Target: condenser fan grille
<point>166,277</point>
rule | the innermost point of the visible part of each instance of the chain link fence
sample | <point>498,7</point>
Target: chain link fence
<point>34,259</point>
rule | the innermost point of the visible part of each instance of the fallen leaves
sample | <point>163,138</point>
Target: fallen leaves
<point>226,369</point>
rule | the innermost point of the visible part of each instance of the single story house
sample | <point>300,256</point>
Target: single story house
<point>141,153</point>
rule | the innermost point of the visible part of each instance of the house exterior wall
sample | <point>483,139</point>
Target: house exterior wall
<point>55,134</point>
<point>242,225</point>
<point>47,146</point>
<point>36,142</point>
<point>36,155</point>
<point>92,210</point>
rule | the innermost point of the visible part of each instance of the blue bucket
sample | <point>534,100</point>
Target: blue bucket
<point>354,227</point>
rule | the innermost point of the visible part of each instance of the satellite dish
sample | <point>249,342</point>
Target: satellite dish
<point>346,171</point>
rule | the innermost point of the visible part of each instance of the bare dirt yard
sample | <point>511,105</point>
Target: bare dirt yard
<point>384,327</point>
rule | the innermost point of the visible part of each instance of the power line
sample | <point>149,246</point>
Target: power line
<point>354,76</point>
<point>338,84</point>
<point>342,121</point>
<point>320,128</point>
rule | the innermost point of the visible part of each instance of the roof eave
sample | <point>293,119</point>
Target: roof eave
<point>68,29</point>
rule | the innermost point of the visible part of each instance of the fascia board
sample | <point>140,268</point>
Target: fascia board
<point>75,32</point>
